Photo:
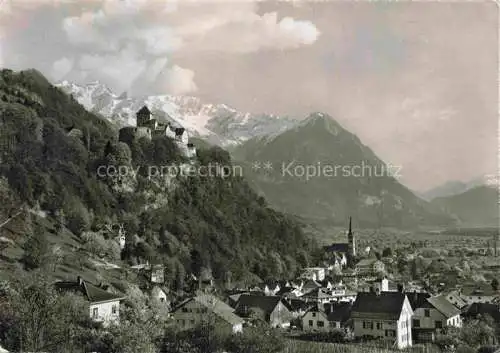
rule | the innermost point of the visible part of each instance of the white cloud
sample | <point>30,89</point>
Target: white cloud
<point>178,81</point>
<point>250,32</point>
<point>61,68</point>
<point>153,30</point>
<point>118,71</point>
<point>189,25</point>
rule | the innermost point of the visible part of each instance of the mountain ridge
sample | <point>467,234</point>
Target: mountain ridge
<point>476,206</point>
<point>319,141</point>
<point>218,123</point>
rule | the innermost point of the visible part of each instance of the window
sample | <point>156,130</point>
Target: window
<point>364,324</point>
<point>371,325</point>
<point>95,313</point>
<point>310,322</point>
<point>314,314</point>
<point>184,310</point>
<point>162,300</point>
<point>390,333</point>
<point>427,312</point>
<point>416,323</point>
<point>379,325</point>
<point>114,309</point>
<point>192,322</point>
<point>439,324</point>
<point>321,324</point>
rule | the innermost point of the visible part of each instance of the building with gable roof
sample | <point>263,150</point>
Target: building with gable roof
<point>326,318</point>
<point>271,309</point>
<point>431,316</point>
<point>206,308</point>
<point>385,316</point>
<point>103,306</point>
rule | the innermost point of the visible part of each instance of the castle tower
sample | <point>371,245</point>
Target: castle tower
<point>351,240</point>
<point>143,116</point>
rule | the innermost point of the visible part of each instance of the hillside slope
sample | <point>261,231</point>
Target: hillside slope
<point>53,152</point>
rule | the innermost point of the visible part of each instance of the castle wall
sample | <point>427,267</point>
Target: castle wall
<point>131,134</point>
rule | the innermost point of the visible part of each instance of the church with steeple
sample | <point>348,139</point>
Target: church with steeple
<point>344,250</point>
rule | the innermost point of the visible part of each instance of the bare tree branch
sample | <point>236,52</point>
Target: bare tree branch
<point>10,218</point>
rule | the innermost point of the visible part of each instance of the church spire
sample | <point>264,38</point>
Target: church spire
<point>351,241</point>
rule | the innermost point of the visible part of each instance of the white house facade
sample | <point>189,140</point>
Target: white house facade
<point>385,316</point>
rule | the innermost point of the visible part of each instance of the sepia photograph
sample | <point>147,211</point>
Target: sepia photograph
<point>249,176</point>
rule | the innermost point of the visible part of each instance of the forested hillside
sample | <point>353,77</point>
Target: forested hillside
<point>52,149</point>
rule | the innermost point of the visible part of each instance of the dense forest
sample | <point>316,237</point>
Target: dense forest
<point>51,149</point>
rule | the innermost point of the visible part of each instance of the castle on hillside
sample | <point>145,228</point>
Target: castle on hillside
<point>147,126</point>
<point>344,250</point>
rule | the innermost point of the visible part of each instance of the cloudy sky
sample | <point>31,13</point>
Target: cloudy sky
<point>417,82</point>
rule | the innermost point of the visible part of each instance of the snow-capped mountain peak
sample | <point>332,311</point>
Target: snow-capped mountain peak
<point>218,123</point>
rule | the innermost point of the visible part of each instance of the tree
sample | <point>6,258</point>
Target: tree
<point>387,252</point>
<point>56,256</point>
<point>78,218</point>
<point>43,319</point>
<point>180,274</point>
<point>36,250</point>
<point>256,340</point>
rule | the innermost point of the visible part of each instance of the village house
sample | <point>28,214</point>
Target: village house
<point>318,295</point>
<point>104,306</point>
<point>298,307</point>
<point>268,288</point>
<point>270,309</point>
<point>289,292</point>
<point>338,289</point>
<point>377,285</point>
<point>326,284</point>
<point>326,318</point>
<point>454,298</point>
<point>385,316</point>
<point>370,267</point>
<point>478,293</point>
<point>309,285</point>
<point>234,295</point>
<point>159,295</point>
<point>205,308</point>
<point>433,315</point>
<point>482,309</point>
<point>314,273</point>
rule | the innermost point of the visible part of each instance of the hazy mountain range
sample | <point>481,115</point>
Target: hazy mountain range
<point>458,187</point>
<point>476,207</point>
